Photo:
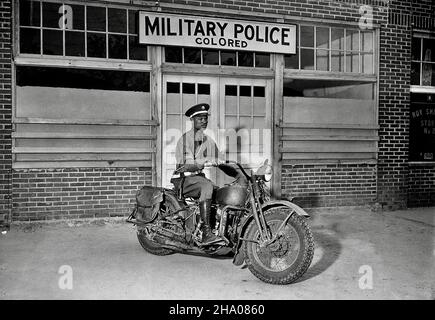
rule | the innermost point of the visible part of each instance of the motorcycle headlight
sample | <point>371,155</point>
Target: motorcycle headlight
<point>268,174</point>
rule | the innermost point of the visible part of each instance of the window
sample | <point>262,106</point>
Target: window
<point>217,57</point>
<point>423,61</point>
<point>333,49</point>
<point>76,30</point>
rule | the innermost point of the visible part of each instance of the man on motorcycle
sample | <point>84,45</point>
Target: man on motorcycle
<point>195,150</point>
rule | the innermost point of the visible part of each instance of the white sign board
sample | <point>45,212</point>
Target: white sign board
<point>202,32</point>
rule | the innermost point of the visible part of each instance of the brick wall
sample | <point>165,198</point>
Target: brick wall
<point>330,185</point>
<point>5,110</point>
<point>394,98</point>
<point>75,193</point>
<point>421,191</point>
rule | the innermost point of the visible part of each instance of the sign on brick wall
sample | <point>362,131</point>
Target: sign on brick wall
<point>204,32</point>
<point>422,128</point>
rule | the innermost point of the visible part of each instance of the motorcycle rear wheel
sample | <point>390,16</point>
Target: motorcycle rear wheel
<point>289,257</point>
<point>151,246</point>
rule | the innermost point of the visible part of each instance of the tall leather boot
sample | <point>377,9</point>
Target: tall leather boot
<point>205,211</point>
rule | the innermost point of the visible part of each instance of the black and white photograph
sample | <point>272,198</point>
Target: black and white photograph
<point>224,153</point>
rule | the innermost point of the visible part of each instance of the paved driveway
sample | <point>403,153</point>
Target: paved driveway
<point>359,255</point>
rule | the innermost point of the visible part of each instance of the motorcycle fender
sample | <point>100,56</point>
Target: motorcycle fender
<point>239,255</point>
<point>284,203</point>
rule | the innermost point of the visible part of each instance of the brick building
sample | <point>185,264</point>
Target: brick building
<point>93,93</point>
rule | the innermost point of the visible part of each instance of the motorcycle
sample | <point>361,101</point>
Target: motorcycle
<point>270,236</point>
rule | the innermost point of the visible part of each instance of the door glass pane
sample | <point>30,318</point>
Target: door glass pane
<point>245,107</point>
<point>189,88</point>
<point>259,106</point>
<point>203,88</point>
<point>245,122</point>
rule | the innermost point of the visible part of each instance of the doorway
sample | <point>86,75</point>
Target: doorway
<point>240,119</point>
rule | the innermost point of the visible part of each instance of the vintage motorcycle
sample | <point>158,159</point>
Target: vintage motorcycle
<point>271,236</point>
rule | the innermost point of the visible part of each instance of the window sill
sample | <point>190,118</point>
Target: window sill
<point>421,163</point>
<point>422,89</point>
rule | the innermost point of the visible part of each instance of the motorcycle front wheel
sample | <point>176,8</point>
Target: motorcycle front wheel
<point>286,259</point>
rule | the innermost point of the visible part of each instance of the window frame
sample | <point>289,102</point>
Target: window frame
<point>420,88</point>
<point>77,61</point>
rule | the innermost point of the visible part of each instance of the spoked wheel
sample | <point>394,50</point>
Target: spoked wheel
<point>289,256</point>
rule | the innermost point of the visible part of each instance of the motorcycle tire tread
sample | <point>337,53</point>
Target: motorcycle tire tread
<point>307,255</point>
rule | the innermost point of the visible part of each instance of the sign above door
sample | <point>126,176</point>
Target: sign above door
<point>204,32</point>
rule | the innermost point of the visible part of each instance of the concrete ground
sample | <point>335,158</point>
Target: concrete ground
<point>359,255</point>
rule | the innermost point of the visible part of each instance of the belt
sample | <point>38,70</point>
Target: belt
<point>186,174</point>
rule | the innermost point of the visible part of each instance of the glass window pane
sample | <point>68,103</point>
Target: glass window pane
<point>245,91</point>
<point>426,74</point>
<point>416,49</point>
<point>415,74</point>
<point>30,13</point>
<point>74,43</point>
<point>367,61</point>
<point>117,46</point>
<point>291,61</point>
<point>262,60</point>
<point>173,87</point>
<point>30,41</point>
<point>137,51</point>
<point>307,59</point>
<point>83,78</point>
<point>367,41</point>
<point>307,36</point>
<point>352,39</point>
<point>192,55</point>
<point>96,18</point>
<point>429,50</point>
<point>117,20</point>
<point>337,39</point>
<point>173,54</point>
<point>322,37</point>
<point>96,45</point>
<point>337,61</point>
<point>259,91</point>
<point>322,60</point>
<point>230,90</point>
<point>245,59</point>
<point>352,62</point>
<point>50,14</point>
<point>78,14</point>
<point>228,58</point>
<point>210,57</point>
<point>52,42</point>
<point>203,88</point>
<point>132,21</point>
<point>189,88</point>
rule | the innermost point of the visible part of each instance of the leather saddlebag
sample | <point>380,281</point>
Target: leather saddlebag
<point>148,200</point>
